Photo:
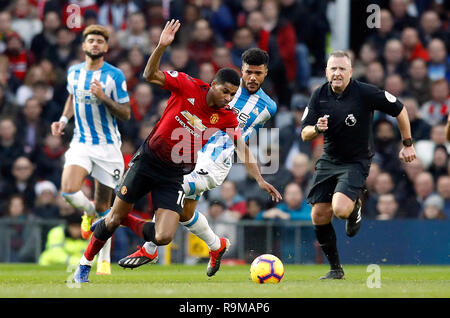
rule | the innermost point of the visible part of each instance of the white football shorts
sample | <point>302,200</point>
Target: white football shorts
<point>103,162</point>
<point>206,176</point>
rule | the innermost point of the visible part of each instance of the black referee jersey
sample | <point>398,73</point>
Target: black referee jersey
<point>349,137</point>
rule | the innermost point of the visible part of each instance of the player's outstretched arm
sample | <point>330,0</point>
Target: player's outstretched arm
<point>57,127</point>
<point>250,162</point>
<point>151,72</point>
<point>406,154</point>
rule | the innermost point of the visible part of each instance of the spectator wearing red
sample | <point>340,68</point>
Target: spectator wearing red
<point>412,45</point>
<point>285,35</point>
<point>19,58</point>
<point>234,202</point>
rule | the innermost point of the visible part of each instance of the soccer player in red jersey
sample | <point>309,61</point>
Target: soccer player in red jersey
<point>194,113</point>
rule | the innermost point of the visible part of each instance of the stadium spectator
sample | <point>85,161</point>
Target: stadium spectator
<point>243,39</point>
<point>395,85</point>
<point>301,169</point>
<point>22,237</point>
<point>433,208</point>
<point>5,29</point>
<point>387,207</point>
<point>439,64</point>
<point>284,33</point>
<point>11,146</point>
<point>45,206</point>
<point>412,45</point>
<point>19,58</point>
<point>418,83</point>
<point>420,130</point>
<point>115,13</point>
<point>181,61</point>
<point>233,201</point>
<point>130,77</point>
<point>115,51</point>
<point>431,27</point>
<point>7,106</point>
<point>426,147</point>
<point>191,13</point>
<point>289,137</point>
<point>424,187</point>
<point>401,16</point>
<point>384,32</point>
<point>435,110</point>
<point>255,235</point>
<point>206,72</point>
<point>383,184</point>
<point>367,54</point>
<point>48,36</point>
<point>386,146</point>
<point>443,189</point>
<point>25,21</point>
<point>31,127</point>
<point>64,50</point>
<point>247,6</point>
<point>295,207</point>
<point>394,58</point>
<point>374,74</point>
<point>34,75</point>
<point>23,180</point>
<point>298,15</point>
<point>49,159</point>
<point>64,245</point>
<point>135,34</point>
<point>137,60</point>
<point>439,164</point>
<point>222,58</point>
<point>202,42</point>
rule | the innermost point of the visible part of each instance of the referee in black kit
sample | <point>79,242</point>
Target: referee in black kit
<point>342,109</point>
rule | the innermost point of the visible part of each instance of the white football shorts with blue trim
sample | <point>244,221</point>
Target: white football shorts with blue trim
<point>103,162</point>
<point>206,176</point>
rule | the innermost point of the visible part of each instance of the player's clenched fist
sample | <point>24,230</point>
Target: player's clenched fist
<point>322,123</point>
<point>57,128</point>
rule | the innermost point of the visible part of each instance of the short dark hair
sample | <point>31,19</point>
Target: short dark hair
<point>96,29</point>
<point>255,56</point>
<point>227,75</point>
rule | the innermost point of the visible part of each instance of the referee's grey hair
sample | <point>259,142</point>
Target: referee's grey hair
<point>341,54</point>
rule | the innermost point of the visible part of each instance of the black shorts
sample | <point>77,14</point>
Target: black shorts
<point>331,177</point>
<point>147,173</point>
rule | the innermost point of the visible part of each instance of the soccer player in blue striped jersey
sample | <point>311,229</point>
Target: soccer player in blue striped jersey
<point>253,108</point>
<point>97,97</point>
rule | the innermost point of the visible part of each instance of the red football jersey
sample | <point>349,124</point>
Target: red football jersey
<point>188,122</point>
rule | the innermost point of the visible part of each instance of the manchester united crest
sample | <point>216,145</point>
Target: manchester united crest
<point>214,118</point>
<point>124,190</point>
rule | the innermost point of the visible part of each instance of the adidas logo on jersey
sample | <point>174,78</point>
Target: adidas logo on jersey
<point>191,100</point>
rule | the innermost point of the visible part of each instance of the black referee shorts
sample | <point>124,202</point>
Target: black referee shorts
<point>147,173</point>
<point>330,177</point>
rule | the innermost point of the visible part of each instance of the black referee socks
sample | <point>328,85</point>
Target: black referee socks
<point>326,236</point>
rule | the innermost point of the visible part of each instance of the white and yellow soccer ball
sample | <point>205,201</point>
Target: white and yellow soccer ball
<point>267,268</point>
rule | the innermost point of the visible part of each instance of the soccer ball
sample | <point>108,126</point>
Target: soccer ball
<point>267,268</point>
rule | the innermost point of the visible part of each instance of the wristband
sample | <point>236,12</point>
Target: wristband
<point>316,129</point>
<point>64,119</point>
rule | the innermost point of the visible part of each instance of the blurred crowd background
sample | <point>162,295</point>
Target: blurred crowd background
<point>407,55</point>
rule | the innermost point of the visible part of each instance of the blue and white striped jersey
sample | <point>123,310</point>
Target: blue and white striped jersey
<point>94,124</point>
<point>253,110</point>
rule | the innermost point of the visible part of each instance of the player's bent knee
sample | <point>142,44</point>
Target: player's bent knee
<point>342,212</point>
<point>164,238</point>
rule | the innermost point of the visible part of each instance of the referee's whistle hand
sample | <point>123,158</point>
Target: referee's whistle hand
<point>407,154</point>
<point>322,123</point>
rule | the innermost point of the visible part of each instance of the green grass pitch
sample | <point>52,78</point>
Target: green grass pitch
<point>183,281</point>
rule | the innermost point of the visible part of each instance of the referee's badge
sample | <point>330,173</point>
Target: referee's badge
<point>350,120</point>
<point>390,97</point>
